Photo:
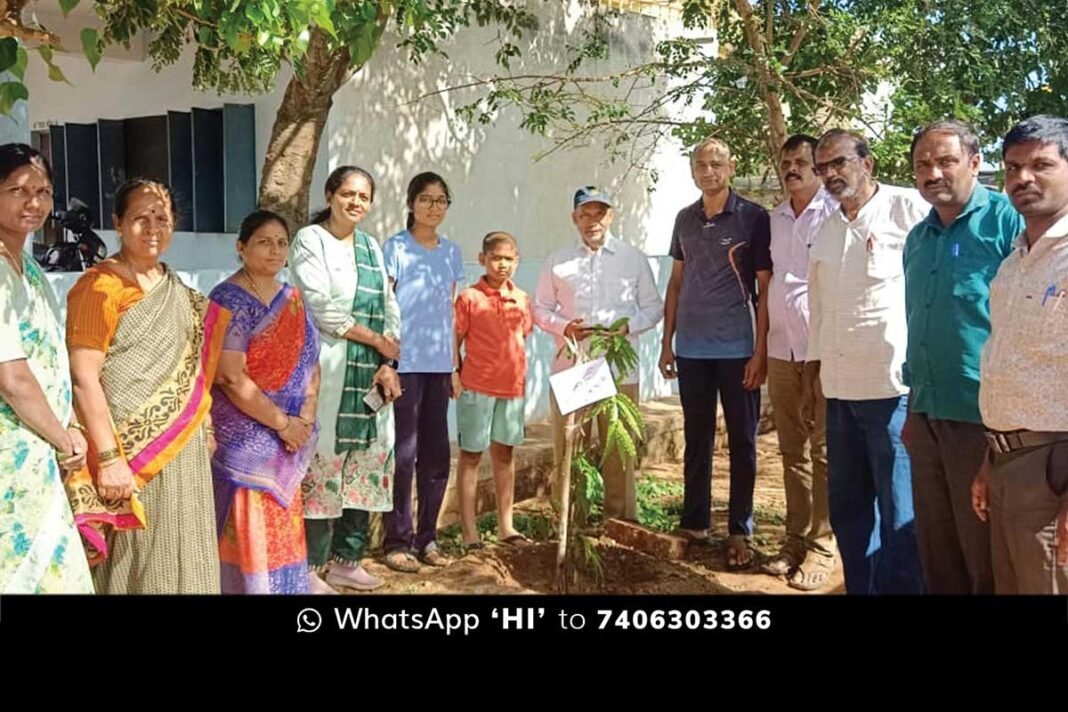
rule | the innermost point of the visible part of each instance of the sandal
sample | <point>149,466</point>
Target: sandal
<point>517,541</point>
<point>782,564</point>
<point>402,561</point>
<point>810,575</point>
<point>737,544</point>
<point>433,557</point>
<point>695,539</point>
<point>473,546</point>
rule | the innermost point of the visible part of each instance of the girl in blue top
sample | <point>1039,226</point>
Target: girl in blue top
<point>426,271</point>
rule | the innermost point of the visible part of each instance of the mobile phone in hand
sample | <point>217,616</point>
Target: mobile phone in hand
<point>375,398</point>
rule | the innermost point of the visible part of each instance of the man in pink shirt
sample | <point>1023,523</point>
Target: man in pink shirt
<point>807,556</point>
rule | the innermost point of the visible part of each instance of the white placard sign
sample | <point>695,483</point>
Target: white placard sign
<point>581,385</point>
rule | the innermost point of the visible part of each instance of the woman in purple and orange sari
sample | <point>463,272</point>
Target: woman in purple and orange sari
<point>264,416</point>
<point>143,351</point>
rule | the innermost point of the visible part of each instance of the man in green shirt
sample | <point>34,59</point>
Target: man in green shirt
<point>950,258</point>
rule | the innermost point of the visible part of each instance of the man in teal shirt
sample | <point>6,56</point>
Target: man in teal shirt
<point>950,259</point>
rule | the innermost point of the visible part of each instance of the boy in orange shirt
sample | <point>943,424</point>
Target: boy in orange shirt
<point>493,319</point>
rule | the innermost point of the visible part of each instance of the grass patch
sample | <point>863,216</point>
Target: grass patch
<point>536,527</point>
<point>659,503</point>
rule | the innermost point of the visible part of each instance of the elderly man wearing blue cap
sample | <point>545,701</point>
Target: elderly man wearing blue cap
<point>588,283</point>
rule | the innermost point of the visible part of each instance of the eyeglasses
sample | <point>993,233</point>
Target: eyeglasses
<point>836,165</point>
<point>426,201</point>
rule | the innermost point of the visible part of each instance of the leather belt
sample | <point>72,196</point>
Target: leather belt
<point>1002,442</point>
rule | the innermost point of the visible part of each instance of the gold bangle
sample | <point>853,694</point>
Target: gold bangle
<point>108,456</point>
<point>78,426</point>
<point>209,429</point>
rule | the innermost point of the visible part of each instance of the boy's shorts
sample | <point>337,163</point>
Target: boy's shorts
<point>481,418</point>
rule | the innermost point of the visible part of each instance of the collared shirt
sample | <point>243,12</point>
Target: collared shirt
<point>791,238</point>
<point>598,286</point>
<point>856,293</point>
<point>721,256</point>
<point>494,324</point>
<point>947,301</point>
<point>1024,372</point>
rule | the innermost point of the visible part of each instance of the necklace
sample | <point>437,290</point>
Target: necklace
<point>255,289</point>
<point>150,278</point>
<point>15,264</point>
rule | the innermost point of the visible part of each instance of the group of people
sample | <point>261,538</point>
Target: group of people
<point>238,442</point>
<point>911,340</point>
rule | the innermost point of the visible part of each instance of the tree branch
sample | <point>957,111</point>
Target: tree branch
<point>547,79</point>
<point>11,24</point>
<point>190,16</point>
<point>752,34</point>
<point>769,22</point>
<point>835,68</point>
<point>802,31</point>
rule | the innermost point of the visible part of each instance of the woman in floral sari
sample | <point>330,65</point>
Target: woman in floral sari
<point>264,417</point>
<point>143,351</point>
<point>341,273</point>
<point>39,547</point>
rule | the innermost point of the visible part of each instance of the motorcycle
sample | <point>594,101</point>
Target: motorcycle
<point>78,254</point>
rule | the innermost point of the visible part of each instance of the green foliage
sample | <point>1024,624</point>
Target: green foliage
<point>659,503</point>
<point>241,44</point>
<point>618,352</point>
<point>535,526</point>
<point>54,72</point>
<point>9,54</point>
<point>10,92</point>
<point>624,432</point>
<point>91,46</point>
<point>991,63</point>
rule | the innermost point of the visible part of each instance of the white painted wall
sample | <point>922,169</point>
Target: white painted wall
<point>376,122</point>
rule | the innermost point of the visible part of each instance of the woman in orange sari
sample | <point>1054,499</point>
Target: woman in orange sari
<point>143,350</point>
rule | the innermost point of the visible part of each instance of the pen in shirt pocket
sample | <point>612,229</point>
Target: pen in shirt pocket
<point>956,249</point>
<point>1051,291</point>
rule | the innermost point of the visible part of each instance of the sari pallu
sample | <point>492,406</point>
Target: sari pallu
<point>156,377</point>
<point>281,349</point>
<point>257,481</point>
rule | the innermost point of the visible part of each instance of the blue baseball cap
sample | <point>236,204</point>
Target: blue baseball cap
<point>591,194</point>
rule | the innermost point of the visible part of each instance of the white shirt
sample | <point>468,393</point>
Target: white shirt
<point>791,238</point>
<point>598,286</point>
<point>1023,381</point>
<point>857,327</point>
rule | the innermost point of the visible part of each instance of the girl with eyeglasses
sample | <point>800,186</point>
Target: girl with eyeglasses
<point>426,270</point>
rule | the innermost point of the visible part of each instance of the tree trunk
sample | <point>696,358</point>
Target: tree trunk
<point>298,129</point>
<point>761,43</point>
<point>777,130</point>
